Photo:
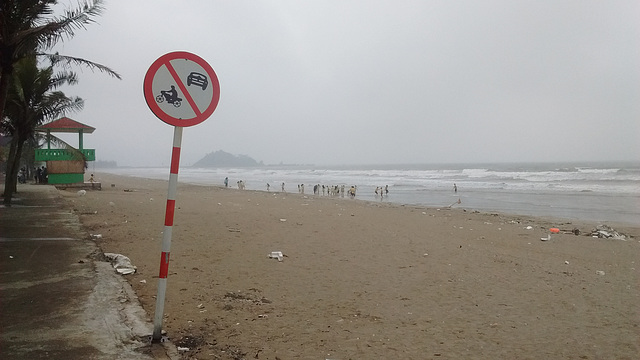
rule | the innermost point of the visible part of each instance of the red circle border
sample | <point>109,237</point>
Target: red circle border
<point>150,98</point>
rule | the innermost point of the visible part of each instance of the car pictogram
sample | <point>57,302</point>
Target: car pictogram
<point>198,79</point>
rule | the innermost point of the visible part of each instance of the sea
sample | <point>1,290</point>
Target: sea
<point>592,192</point>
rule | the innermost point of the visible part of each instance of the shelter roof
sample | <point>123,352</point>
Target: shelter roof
<point>66,125</point>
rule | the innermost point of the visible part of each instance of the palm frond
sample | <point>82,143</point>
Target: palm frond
<point>67,61</point>
<point>58,104</point>
<point>47,32</point>
<point>63,78</point>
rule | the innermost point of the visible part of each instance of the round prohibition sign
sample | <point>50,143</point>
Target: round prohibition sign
<point>181,89</point>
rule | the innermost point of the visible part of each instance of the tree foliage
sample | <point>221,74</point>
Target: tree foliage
<point>28,29</point>
<point>33,99</point>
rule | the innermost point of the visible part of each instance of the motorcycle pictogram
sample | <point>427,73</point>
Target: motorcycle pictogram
<point>171,96</point>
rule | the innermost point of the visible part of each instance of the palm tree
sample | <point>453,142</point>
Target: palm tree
<point>32,99</point>
<point>27,28</point>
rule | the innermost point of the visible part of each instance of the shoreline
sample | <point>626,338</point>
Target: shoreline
<point>453,206</point>
<point>602,207</point>
<point>364,279</point>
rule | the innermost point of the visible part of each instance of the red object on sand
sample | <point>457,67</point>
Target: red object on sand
<point>554,230</point>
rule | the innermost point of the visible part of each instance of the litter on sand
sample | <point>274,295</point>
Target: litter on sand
<point>276,255</point>
<point>607,232</point>
<point>121,263</point>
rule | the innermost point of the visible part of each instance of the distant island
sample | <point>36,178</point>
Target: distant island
<point>224,159</point>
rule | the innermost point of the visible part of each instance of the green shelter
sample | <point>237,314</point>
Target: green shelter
<point>65,166</point>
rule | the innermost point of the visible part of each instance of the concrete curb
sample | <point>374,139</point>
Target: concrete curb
<point>59,298</point>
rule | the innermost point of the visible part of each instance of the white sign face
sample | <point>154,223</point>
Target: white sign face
<point>181,89</point>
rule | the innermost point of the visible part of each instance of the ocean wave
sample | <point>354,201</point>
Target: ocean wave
<point>599,180</point>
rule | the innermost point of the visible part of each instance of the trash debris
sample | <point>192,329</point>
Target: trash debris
<point>283,220</point>
<point>599,272</point>
<point>529,227</point>
<point>96,236</point>
<point>143,281</point>
<point>574,231</point>
<point>566,262</point>
<point>607,232</point>
<point>82,192</point>
<point>121,263</point>
<point>180,348</point>
<point>276,255</point>
<point>547,238</point>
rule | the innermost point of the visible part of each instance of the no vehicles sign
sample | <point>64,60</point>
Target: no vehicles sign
<point>181,89</point>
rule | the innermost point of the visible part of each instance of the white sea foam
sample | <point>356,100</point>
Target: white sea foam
<point>608,192</point>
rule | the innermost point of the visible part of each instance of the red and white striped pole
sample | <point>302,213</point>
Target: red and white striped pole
<point>166,235</point>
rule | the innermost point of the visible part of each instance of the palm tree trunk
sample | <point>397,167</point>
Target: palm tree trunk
<point>13,163</point>
<point>5,78</point>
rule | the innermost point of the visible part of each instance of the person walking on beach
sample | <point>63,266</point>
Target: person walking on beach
<point>282,187</point>
<point>268,186</point>
<point>226,182</point>
<point>455,188</point>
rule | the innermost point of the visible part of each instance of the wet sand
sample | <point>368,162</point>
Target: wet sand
<point>365,280</point>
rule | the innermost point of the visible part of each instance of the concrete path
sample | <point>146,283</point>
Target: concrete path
<point>59,299</point>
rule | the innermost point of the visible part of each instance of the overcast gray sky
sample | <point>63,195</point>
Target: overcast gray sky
<point>373,82</point>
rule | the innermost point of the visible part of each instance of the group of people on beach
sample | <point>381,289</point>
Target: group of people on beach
<point>382,191</point>
<point>39,174</point>
<point>326,190</point>
<point>240,183</point>
<point>330,190</point>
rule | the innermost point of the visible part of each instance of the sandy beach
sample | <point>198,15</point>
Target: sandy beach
<point>365,280</point>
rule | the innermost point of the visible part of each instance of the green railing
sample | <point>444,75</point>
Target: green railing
<point>63,154</point>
